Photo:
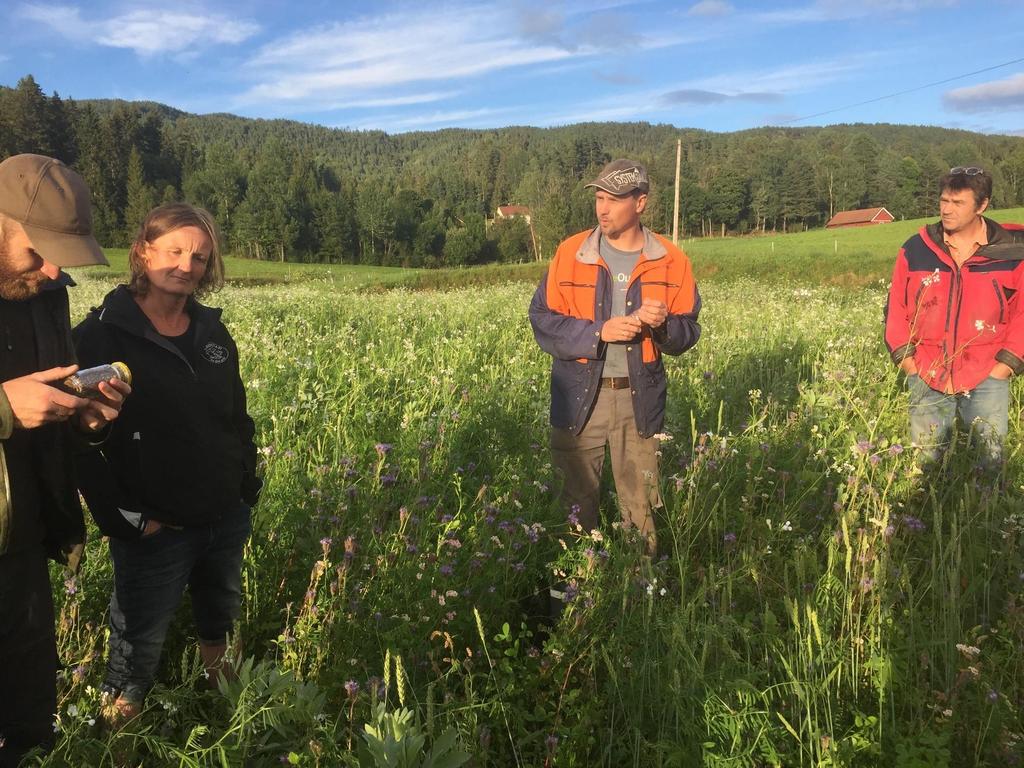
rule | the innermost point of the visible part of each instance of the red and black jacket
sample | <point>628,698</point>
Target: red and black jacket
<point>571,305</point>
<point>958,322</point>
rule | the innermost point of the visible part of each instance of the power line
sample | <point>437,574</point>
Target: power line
<point>901,93</point>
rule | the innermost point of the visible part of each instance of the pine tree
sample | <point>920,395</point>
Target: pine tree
<point>140,197</point>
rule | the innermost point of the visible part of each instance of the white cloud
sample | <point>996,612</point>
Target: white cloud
<point>843,10</point>
<point>791,78</point>
<point>401,50</point>
<point>995,95</point>
<point>148,33</point>
<point>387,51</point>
<point>711,8</point>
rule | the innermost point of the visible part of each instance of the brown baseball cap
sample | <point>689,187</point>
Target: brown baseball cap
<point>620,177</point>
<point>51,202</point>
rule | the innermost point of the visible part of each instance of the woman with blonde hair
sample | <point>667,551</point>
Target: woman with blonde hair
<point>173,484</point>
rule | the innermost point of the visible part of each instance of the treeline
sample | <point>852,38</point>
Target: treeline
<point>299,192</point>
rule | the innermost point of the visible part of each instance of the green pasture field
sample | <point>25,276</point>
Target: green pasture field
<point>818,602</point>
<point>853,256</point>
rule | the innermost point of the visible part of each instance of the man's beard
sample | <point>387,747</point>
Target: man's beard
<point>18,286</point>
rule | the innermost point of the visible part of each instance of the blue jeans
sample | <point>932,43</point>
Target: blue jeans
<point>984,410</point>
<point>150,576</point>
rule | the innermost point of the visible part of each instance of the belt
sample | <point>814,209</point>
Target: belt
<point>617,382</point>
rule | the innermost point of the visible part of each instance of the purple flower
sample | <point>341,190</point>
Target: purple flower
<point>551,742</point>
<point>351,688</point>
<point>863,446</point>
<point>895,449</point>
<point>389,479</point>
<point>383,449</point>
<point>993,695</point>
<point>729,538</point>
<point>913,523</point>
<point>445,570</point>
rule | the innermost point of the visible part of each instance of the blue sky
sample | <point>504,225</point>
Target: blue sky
<point>721,65</point>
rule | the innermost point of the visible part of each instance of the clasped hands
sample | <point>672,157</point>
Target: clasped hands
<point>625,328</point>
<point>35,401</point>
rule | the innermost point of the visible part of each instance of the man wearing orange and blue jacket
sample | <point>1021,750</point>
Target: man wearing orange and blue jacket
<point>614,300</point>
<point>954,319</point>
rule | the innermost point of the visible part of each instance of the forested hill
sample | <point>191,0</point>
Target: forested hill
<point>283,189</point>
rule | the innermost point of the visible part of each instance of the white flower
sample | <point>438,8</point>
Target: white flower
<point>979,325</point>
<point>787,526</point>
<point>970,651</point>
<point>663,437</point>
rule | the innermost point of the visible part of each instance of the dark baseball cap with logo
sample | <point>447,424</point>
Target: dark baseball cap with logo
<point>620,177</point>
<point>51,202</point>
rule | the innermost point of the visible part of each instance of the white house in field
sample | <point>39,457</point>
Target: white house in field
<point>513,212</point>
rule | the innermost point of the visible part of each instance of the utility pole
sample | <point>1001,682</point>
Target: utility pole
<point>675,209</point>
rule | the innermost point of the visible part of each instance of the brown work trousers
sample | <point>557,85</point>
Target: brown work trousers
<point>580,461</point>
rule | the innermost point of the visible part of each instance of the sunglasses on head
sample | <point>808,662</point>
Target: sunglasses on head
<point>966,170</point>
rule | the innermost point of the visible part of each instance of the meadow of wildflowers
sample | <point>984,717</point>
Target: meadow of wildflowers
<point>818,602</point>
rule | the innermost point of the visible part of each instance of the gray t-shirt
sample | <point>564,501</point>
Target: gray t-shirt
<point>621,264</point>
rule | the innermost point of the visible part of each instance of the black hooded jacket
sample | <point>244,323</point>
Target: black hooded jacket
<point>182,450</point>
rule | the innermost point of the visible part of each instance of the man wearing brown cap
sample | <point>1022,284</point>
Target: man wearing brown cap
<point>614,300</point>
<point>45,224</point>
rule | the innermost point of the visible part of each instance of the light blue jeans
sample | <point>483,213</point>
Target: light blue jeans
<point>984,410</point>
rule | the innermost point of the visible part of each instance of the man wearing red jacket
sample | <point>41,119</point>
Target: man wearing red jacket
<point>954,320</point>
<point>615,299</point>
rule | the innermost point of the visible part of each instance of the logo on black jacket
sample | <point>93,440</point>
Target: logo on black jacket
<point>215,353</point>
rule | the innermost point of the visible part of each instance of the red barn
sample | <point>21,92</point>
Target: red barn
<point>860,218</point>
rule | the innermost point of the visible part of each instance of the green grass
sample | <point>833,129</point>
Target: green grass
<point>820,602</point>
<point>848,256</point>
<point>853,256</point>
<point>252,272</point>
